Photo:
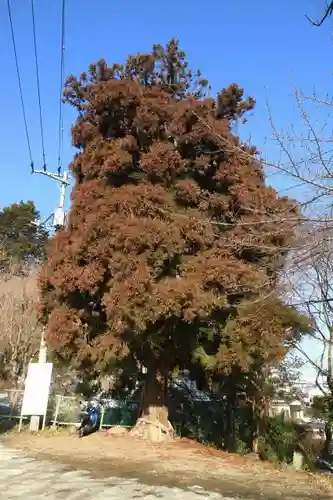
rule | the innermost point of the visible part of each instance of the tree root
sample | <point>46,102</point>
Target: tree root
<point>152,430</point>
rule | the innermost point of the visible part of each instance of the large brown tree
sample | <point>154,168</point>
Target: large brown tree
<point>171,223</point>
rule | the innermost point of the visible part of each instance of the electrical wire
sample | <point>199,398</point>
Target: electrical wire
<point>62,65</point>
<point>38,83</point>
<point>20,85</point>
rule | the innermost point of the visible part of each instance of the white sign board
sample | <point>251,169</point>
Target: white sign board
<point>37,388</point>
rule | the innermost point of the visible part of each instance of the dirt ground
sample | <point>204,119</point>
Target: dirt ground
<point>179,463</point>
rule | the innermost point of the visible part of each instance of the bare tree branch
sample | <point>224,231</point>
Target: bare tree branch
<point>19,328</point>
<point>311,282</point>
<point>327,13</point>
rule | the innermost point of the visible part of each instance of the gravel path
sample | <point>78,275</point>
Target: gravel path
<point>23,477</point>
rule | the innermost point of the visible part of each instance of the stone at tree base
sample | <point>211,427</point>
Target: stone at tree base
<point>118,430</point>
<point>152,430</point>
<point>253,455</point>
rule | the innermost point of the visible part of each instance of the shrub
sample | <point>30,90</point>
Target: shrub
<point>279,442</point>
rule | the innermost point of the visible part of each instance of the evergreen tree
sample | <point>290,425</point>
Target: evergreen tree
<point>21,241</point>
<point>166,234</point>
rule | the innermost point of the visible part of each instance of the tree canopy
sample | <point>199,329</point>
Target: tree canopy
<point>21,240</point>
<point>172,225</point>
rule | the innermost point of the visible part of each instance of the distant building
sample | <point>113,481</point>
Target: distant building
<point>290,411</point>
<point>309,391</point>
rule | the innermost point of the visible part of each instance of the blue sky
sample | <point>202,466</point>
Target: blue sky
<point>266,47</point>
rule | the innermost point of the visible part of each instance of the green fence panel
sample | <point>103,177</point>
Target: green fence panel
<point>124,414</point>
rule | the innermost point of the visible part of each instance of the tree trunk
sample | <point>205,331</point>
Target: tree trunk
<point>260,414</point>
<point>255,429</point>
<point>155,406</point>
<point>326,452</point>
<point>230,427</point>
<point>153,423</point>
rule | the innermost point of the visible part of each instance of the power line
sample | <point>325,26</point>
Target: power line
<point>38,83</point>
<point>20,84</point>
<point>62,64</point>
<point>59,215</point>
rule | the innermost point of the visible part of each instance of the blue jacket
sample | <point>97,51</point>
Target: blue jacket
<point>94,414</point>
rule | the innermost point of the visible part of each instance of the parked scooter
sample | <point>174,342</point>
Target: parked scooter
<point>90,420</point>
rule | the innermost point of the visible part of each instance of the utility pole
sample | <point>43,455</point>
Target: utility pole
<point>42,355</point>
<point>58,222</point>
<point>59,215</point>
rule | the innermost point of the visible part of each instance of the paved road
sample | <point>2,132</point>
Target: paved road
<point>25,478</point>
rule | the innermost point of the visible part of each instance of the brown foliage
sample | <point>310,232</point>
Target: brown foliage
<point>164,197</point>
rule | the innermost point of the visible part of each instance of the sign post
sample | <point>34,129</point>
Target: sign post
<point>42,358</point>
<point>36,392</point>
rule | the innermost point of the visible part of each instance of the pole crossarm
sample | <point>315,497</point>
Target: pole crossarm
<point>63,179</point>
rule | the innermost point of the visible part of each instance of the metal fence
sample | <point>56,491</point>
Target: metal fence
<point>11,404</point>
<point>113,412</point>
<point>199,419</point>
<point>65,410</point>
<point>11,401</point>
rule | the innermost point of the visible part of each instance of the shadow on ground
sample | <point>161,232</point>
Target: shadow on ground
<point>7,425</point>
<point>145,474</point>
